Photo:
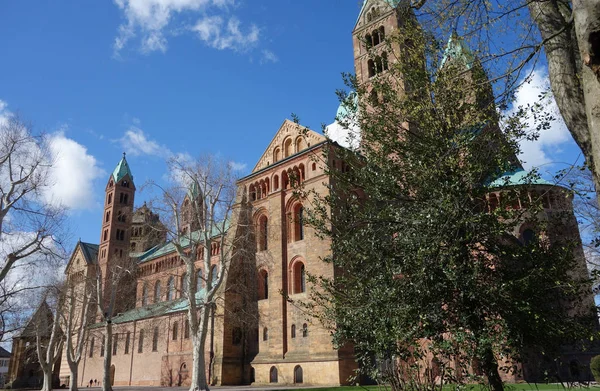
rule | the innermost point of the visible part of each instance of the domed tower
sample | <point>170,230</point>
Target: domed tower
<point>116,220</point>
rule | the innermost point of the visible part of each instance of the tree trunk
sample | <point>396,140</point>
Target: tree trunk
<point>47,385</point>
<point>586,16</point>
<point>199,380</point>
<point>490,368</point>
<point>106,380</point>
<point>74,368</point>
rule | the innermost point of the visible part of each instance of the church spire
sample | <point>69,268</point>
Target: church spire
<point>122,170</point>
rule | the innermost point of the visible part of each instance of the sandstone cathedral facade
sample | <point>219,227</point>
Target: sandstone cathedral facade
<point>278,343</point>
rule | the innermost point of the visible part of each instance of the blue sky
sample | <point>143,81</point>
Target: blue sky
<point>156,77</point>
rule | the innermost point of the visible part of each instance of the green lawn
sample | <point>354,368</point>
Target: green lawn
<point>472,387</point>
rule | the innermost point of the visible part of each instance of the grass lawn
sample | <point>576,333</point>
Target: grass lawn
<point>472,387</point>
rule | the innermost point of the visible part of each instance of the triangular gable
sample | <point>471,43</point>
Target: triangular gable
<point>87,255</point>
<point>366,3</point>
<point>287,129</point>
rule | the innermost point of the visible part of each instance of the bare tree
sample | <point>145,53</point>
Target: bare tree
<point>75,313</point>
<point>199,209</point>
<point>30,227</point>
<point>115,283</point>
<point>48,334</point>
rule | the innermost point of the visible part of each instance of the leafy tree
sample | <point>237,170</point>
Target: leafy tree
<point>432,277</point>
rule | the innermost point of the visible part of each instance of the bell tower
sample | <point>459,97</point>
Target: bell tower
<point>116,219</point>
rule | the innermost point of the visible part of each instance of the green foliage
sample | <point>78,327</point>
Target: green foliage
<point>431,277</point>
<point>595,368</point>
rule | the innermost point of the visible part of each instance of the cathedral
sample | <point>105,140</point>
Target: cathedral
<point>151,337</point>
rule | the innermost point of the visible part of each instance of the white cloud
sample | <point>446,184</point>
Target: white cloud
<point>152,21</point>
<point>268,56</point>
<point>136,143</point>
<point>236,166</point>
<point>220,35</point>
<point>535,153</point>
<point>72,174</point>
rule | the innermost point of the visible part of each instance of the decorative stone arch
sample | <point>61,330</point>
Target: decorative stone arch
<point>275,181</point>
<point>297,274</point>
<point>300,144</point>
<point>288,147</point>
<point>285,180</point>
<point>298,375</point>
<point>273,375</point>
<point>276,154</point>
<point>527,233</point>
<point>294,220</point>
<point>252,192</point>
<point>263,283</point>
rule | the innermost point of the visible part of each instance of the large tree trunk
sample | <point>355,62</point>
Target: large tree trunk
<point>573,56</point>
<point>199,380</point>
<point>106,380</point>
<point>490,368</point>
<point>47,385</point>
<point>74,368</point>
<point>586,16</point>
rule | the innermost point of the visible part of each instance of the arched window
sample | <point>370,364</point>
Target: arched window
<point>155,340</point>
<point>378,65</point>
<point>276,182</point>
<point>371,66</point>
<point>277,155</point>
<point>145,294</point>
<point>368,41</point>
<point>375,35</point>
<point>288,147</point>
<point>141,342</point>
<point>293,331</point>
<point>298,277</point>
<point>109,199</point>
<point>175,331</point>
<point>252,190</point>
<point>186,331</point>
<point>300,144</point>
<point>157,292</point>
<point>528,236</point>
<point>115,346</point>
<point>273,375</point>
<point>298,378</point>
<point>298,218</point>
<point>92,347</point>
<point>199,278</point>
<point>263,285</point>
<point>263,233</point>
<point>103,346</point>
<point>170,288</point>
<point>384,60</point>
<point>107,217</point>
<point>304,330</point>
<point>285,181</point>
<point>373,98</point>
<point>127,342</point>
<point>382,33</point>
<point>265,334</point>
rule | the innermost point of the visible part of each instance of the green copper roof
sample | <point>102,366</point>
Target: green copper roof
<point>348,105</point>
<point>122,170</point>
<point>519,177</point>
<point>153,310</point>
<point>457,49</point>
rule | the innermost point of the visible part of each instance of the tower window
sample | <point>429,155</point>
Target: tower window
<point>155,340</point>
<point>145,294</point>
<point>127,342</point>
<point>263,286</point>
<point>368,41</point>
<point>175,331</point>
<point>304,330</point>
<point>109,200</point>
<point>157,292</point>
<point>293,331</point>
<point>115,346</point>
<point>141,342</point>
<point>92,347</point>
<point>382,33</point>
<point>375,35</point>
<point>265,334</point>
<point>371,66</point>
<point>103,346</point>
<point>107,219</point>
<point>170,288</point>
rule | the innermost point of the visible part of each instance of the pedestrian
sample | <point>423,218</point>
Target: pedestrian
<point>91,382</point>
